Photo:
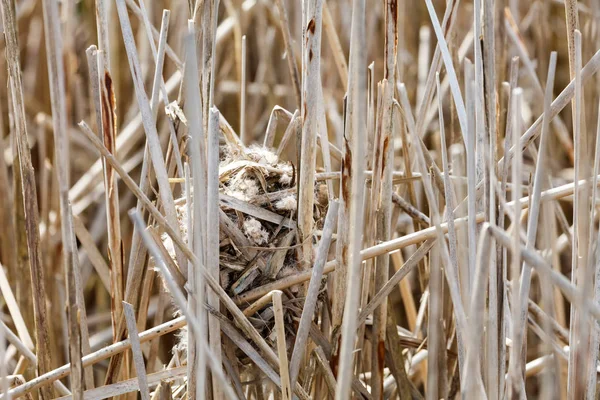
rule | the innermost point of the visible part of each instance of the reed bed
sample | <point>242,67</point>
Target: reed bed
<point>254,199</point>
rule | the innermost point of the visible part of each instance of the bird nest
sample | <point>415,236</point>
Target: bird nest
<point>259,241</point>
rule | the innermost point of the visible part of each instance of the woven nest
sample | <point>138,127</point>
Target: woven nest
<point>259,240</point>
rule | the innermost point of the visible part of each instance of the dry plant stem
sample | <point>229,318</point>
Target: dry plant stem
<point>3,370</point>
<point>334,41</point>
<point>212,238</point>
<point>80,319</point>
<point>29,192</point>
<point>291,58</point>
<point>310,116</point>
<point>472,197</point>
<point>579,328</point>
<point>472,382</point>
<point>453,271</point>
<point>323,139</point>
<point>102,10</point>
<point>383,198</point>
<point>351,210</point>
<point>209,35</point>
<point>514,383</point>
<point>243,84</point>
<point>276,114</point>
<point>495,358</point>
<point>535,205</point>
<point>383,205</point>
<point>196,290</point>
<point>138,358</point>
<point>409,209</point>
<point>313,290</point>
<point>593,258</point>
<point>107,119</point>
<point>286,392</point>
<point>108,131</point>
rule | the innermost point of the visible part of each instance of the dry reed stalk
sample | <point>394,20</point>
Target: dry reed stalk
<point>593,355</point>
<point>196,372</point>
<point>581,270</point>
<point>351,202</point>
<point>29,194</point>
<point>310,94</point>
<point>212,238</point>
<point>515,383</point>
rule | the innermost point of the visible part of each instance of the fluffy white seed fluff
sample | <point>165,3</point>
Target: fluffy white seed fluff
<point>262,155</point>
<point>288,172</point>
<point>288,203</point>
<point>254,230</point>
<point>242,189</point>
